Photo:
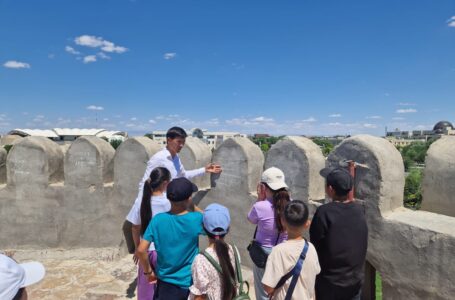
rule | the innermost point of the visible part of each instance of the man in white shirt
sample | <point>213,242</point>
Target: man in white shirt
<point>169,159</point>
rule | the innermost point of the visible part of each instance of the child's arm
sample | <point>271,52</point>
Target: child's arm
<point>196,208</point>
<point>268,290</point>
<point>141,253</point>
<point>136,232</point>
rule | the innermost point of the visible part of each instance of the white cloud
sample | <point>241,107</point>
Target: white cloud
<point>368,125</point>
<point>103,55</point>
<point>398,118</point>
<point>374,117</point>
<point>133,119</point>
<point>406,111</point>
<point>99,42</point>
<point>169,55</point>
<point>94,107</point>
<point>335,124</point>
<point>213,122</point>
<point>451,22</point>
<point>89,59</point>
<point>151,121</point>
<point>71,50</point>
<point>335,115</point>
<point>51,56</point>
<point>406,104</point>
<point>262,119</point>
<point>12,64</point>
<point>309,120</point>
<point>38,119</point>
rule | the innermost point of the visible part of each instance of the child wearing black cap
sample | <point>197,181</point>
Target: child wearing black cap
<point>340,234</point>
<point>175,235</point>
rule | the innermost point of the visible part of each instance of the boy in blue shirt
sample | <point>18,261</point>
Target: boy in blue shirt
<point>175,235</point>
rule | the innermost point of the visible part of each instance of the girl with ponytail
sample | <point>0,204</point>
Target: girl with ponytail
<point>208,283</point>
<point>154,201</point>
<point>265,214</point>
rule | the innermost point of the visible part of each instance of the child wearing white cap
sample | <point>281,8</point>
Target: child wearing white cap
<point>216,271</point>
<point>15,277</point>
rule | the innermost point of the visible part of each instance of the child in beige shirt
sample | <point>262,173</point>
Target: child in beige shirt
<point>284,257</point>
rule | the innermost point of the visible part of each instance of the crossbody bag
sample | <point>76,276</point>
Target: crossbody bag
<point>257,254</point>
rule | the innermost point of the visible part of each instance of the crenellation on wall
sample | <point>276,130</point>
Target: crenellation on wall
<point>301,160</point>
<point>34,161</point>
<point>89,163</point>
<point>196,154</point>
<point>80,198</point>
<point>235,187</point>
<point>438,189</point>
<point>130,162</point>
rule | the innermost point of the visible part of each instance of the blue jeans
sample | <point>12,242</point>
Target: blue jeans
<point>258,274</point>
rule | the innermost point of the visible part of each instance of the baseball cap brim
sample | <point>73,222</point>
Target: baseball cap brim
<point>195,188</point>
<point>326,171</point>
<point>277,185</point>
<point>34,272</point>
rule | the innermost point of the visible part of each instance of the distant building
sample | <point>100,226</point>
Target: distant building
<point>404,138</point>
<point>260,135</point>
<point>211,138</point>
<point>63,135</point>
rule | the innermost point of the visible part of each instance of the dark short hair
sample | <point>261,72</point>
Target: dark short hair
<point>296,213</point>
<point>176,132</point>
<point>19,293</point>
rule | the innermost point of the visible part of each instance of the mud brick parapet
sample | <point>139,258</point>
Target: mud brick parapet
<point>79,197</point>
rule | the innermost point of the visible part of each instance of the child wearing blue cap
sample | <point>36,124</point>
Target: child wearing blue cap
<point>216,271</point>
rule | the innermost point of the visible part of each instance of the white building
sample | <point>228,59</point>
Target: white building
<point>212,138</point>
<point>62,135</point>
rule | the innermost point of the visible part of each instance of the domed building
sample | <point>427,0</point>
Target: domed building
<point>443,127</point>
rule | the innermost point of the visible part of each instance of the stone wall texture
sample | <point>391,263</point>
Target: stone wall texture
<point>438,188</point>
<point>78,198</point>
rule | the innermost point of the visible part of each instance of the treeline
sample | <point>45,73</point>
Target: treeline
<point>414,159</point>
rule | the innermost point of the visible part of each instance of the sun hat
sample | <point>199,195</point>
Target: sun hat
<point>274,178</point>
<point>14,276</point>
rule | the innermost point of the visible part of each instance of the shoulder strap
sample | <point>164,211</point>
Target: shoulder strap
<point>215,264</point>
<point>238,269</point>
<point>255,231</point>
<point>294,273</point>
<point>277,238</point>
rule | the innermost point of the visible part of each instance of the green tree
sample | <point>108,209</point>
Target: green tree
<point>412,189</point>
<point>115,143</point>
<point>8,148</point>
<point>265,148</point>
<point>325,145</point>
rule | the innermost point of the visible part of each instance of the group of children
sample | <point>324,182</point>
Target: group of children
<point>171,266</point>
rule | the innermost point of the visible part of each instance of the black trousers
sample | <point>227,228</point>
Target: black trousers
<point>168,291</point>
<point>328,291</point>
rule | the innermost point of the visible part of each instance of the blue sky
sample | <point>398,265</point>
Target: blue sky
<point>278,67</point>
